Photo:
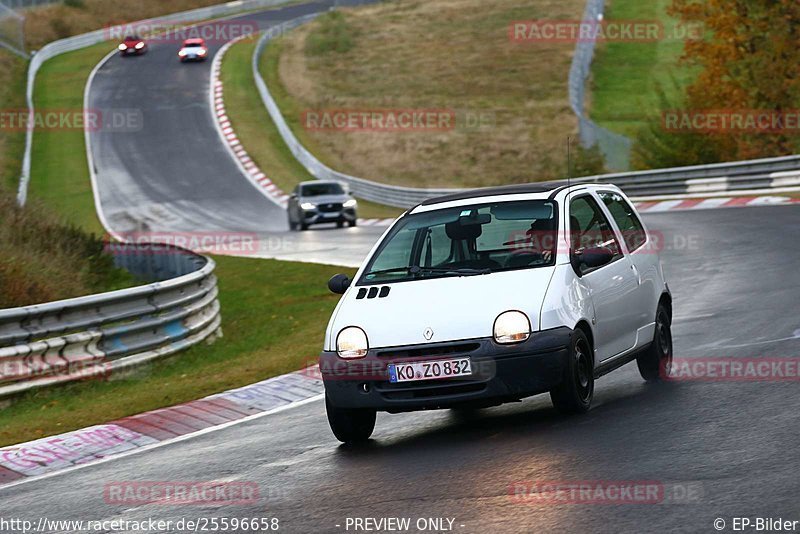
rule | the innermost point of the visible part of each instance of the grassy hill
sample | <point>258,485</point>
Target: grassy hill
<point>452,55</point>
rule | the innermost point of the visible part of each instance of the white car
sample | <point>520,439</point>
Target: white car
<point>489,296</point>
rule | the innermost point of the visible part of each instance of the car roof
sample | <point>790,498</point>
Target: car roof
<point>132,38</point>
<point>516,189</point>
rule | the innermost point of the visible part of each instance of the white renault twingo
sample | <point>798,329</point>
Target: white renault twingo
<point>489,296</point>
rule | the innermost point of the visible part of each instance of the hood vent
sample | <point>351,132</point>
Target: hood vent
<point>373,292</point>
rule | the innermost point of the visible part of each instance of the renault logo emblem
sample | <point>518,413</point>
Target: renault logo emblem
<point>428,333</point>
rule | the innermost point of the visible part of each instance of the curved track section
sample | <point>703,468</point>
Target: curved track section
<point>174,176</point>
<point>731,444</point>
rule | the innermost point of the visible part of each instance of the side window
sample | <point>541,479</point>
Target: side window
<point>629,224</point>
<point>589,228</point>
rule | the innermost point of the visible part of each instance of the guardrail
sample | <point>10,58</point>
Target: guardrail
<point>718,178</point>
<point>96,335</point>
<point>77,42</point>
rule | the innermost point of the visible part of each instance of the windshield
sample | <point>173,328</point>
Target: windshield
<point>467,240</point>
<point>192,45</point>
<point>316,190</point>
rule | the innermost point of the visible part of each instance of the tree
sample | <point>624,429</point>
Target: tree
<point>749,60</point>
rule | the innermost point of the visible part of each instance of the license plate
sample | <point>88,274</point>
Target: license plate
<point>432,370</point>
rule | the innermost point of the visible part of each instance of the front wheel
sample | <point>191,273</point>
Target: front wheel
<point>352,223</point>
<point>655,362</point>
<point>350,425</point>
<point>574,394</point>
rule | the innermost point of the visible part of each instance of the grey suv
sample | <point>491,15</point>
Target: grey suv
<point>320,202</point>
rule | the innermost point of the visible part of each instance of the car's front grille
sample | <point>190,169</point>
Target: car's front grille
<point>330,207</point>
<point>430,389</point>
<point>432,350</point>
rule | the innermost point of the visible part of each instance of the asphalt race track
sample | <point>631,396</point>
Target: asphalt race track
<point>720,449</point>
<point>174,175</point>
<point>733,445</point>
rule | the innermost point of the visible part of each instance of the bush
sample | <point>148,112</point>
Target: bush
<point>42,259</point>
<point>333,34</point>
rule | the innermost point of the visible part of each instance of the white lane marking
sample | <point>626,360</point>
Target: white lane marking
<point>768,201</point>
<point>710,203</point>
<point>681,318</point>
<point>171,441</point>
<point>664,206</point>
<point>795,335</point>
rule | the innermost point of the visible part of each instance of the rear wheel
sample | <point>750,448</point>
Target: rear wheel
<point>654,363</point>
<point>574,394</point>
<point>350,425</point>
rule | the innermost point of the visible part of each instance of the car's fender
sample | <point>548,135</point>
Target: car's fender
<point>567,301</point>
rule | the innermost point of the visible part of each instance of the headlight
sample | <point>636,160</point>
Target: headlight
<point>352,203</point>
<point>512,327</point>
<point>308,206</point>
<point>352,343</point>
<point>202,52</point>
<point>139,46</point>
<point>123,47</point>
<point>182,53</point>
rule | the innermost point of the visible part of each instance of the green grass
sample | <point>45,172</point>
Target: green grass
<point>274,313</point>
<point>13,75</point>
<point>59,170</point>
<point>258,133</point>
<point>625,74</point>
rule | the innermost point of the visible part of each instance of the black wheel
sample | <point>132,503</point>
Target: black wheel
<point>350,425</point>
<point>303,226</point>
<point>339,224</point>
<point>655,362</point>
<point>574,394</point>
<point>352,223</point>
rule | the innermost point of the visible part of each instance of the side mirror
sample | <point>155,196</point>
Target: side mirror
<point>593,257</point>
<point>339,283</point>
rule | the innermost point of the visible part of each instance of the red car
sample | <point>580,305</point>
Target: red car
<point>132,45</point>
<point>193,50</point>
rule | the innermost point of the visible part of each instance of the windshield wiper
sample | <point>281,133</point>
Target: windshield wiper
<point>417,270</point>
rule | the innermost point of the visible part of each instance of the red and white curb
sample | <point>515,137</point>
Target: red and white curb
<point>246,164</point>
<point>56,453</point>
<point>680,204</point>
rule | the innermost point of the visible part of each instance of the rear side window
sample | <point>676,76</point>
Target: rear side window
<point>629,224</point>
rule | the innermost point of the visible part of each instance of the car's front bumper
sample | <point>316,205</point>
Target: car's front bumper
<point>319,217</point>
<point>501,373</point>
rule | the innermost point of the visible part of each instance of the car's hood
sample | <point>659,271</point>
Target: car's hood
<point>454,308</point>
<point>192,50</point>
<point>326,199</point>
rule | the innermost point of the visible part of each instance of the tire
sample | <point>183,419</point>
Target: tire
<point>339,224</point>
<point>654,363</point>
<point>352,224</point>
<point>574,394</point>
<point>350,425</point>
<point>303,227</point>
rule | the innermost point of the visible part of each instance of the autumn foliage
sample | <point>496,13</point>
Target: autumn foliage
<point>749,60</point>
